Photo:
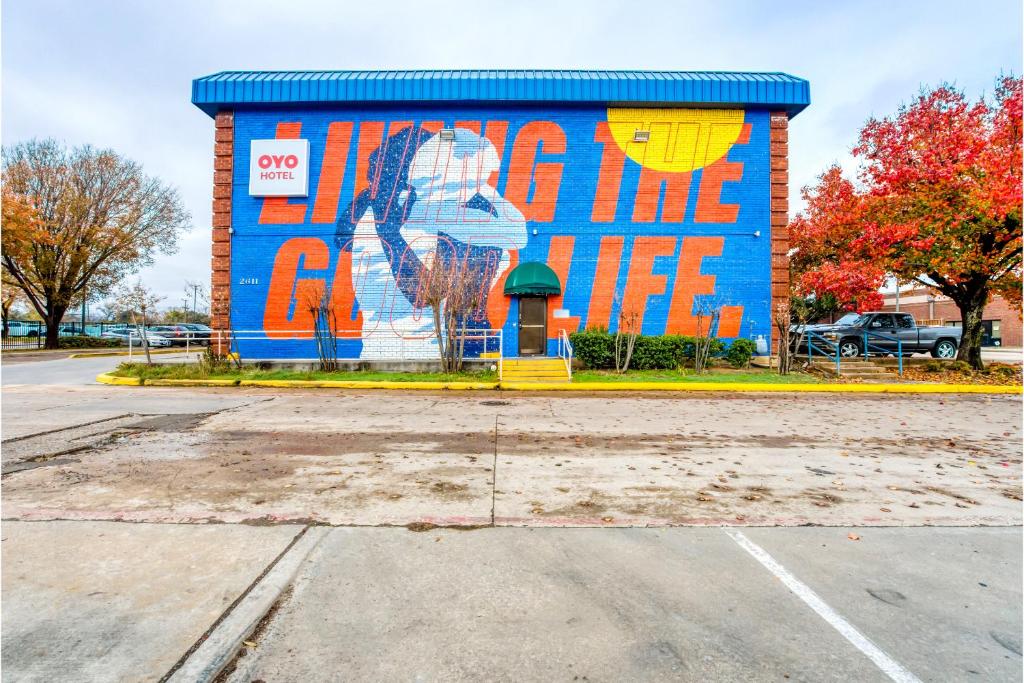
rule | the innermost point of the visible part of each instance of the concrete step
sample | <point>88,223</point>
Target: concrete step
<point>557,362</point>
<point>533,378</point>
<point>538,380</point>
<point>851,364</point>
<point>544,371</point>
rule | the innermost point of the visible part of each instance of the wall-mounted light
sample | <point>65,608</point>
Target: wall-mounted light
<point>447,134</point>
<point>535,232</point>
<point>757,233</point>
<point>641,135</point>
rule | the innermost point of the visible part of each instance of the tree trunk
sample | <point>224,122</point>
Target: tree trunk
<point>52,321</point>
<point>972,308</point>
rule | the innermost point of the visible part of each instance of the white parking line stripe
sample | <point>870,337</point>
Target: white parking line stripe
<point>887,664</point>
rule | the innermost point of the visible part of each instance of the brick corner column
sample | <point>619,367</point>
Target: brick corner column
<point>220,265</point>
<point>779,154</point>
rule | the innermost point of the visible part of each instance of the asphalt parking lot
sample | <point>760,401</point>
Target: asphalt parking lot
<point>509,536</point>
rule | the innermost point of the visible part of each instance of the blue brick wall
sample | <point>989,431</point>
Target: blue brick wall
<point>526,216</point>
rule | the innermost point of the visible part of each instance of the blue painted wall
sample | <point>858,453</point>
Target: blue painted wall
<point>547,171</point>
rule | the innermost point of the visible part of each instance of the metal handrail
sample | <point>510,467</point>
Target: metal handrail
<point>887,337</point>
<point>813,338</point>
<point>565,351</point>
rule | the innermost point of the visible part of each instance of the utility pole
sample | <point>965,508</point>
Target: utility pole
<point>83,311</point>
<point>195,292</point>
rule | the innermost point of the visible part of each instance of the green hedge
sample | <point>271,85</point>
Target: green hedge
<point>83,342</point>
<point>596,350</point>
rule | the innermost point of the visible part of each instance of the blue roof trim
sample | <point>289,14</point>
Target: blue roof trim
<point>229,89</point>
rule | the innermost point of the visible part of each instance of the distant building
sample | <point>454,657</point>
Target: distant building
<point>1002,321</point>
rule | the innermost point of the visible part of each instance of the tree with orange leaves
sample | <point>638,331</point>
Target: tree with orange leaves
<point>939,203</point>
<point>77,218</point>
<point>823,264</point>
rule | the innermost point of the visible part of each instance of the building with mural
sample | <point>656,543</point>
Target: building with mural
<point>571,199</point>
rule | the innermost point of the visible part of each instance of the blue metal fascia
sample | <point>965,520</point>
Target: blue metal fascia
<point>228,89</point>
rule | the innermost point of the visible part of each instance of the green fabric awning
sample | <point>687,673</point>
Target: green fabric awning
<point>532,277</point>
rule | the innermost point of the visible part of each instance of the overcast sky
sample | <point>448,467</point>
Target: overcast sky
<point>117,73</point>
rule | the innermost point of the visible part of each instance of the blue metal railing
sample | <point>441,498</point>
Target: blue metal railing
<point>816,342</point>
<point>868,346</point>
<point>826,348</point>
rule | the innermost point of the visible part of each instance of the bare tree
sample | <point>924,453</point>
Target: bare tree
<point>626,333</point>
<point>708,313</point>
<point>781,316</point>
<point>453,290</point>
<point>140,303</point>
<point>325,324</point>
<point>77,218</point>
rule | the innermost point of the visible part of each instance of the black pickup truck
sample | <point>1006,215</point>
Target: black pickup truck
<point>883,330</point>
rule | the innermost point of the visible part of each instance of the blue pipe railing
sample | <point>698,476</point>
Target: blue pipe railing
<point>817,342</point>
<point>883,350</point>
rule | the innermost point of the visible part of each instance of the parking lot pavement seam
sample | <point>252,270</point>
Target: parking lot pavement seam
<point>623,387</point>
<point>889,666</point>
<point>218,645</point>
<point>64,429</point>
<point>494,469</point>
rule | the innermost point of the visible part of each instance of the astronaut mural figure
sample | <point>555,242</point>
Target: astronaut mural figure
<point>427,202</point>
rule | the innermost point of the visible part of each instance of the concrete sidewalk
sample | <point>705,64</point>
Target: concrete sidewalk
<point>101,601</point>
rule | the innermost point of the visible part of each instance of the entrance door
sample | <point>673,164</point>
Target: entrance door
<point>533,325</point>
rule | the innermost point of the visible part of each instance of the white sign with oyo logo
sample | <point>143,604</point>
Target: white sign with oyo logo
<point>279,168</point>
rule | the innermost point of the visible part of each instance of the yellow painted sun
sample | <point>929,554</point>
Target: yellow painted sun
<point>680,139</point>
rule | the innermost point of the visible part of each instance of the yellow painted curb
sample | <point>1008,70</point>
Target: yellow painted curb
<point>190,382</point>
<point>365,384</point>
<point>107,354</point>
<point>747,387</point>
<point>119,381</point>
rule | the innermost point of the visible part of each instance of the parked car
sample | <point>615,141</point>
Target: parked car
<point>814,327</point>
<point>202,333</point>
<point>125,334</point>
<point>17,328</point>
<point>179,333</point>
<point>884,329</point>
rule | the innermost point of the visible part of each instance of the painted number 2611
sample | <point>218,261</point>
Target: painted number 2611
<point>249,281</point>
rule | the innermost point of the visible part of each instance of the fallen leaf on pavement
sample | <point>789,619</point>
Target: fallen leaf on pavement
<point>852,536</point>
<point>885,509</point>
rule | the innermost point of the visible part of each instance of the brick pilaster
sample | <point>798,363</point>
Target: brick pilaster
<point>220,265</point>
<point>779,154</point>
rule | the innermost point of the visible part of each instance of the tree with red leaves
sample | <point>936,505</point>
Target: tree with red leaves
<point>939,204</point>
<point>824,265</point>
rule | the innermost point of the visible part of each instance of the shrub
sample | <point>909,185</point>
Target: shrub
<point>83,342</point>
<point>662,352</point>
<point>740,352</point>
<point>934,366</point>
<point>960,366</point>
<point>594,348</point>
<point>717,346</point>
<point>1007,370</point>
